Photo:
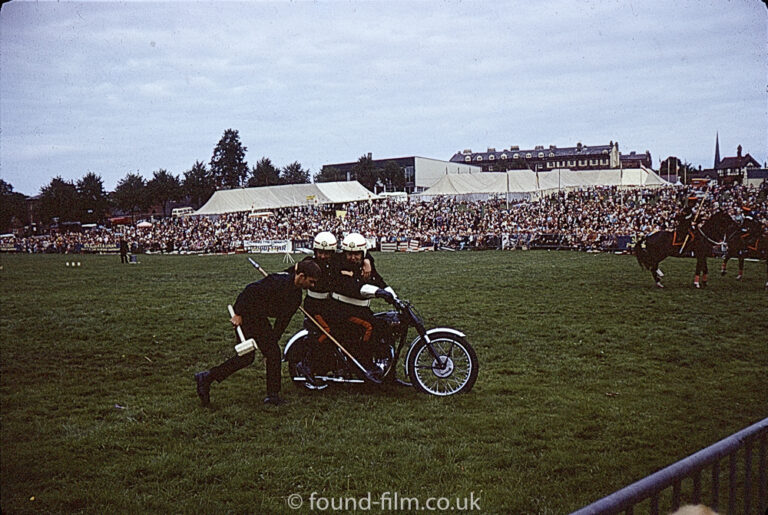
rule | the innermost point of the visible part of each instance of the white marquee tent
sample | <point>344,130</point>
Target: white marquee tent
<point>289,195</point>
<point>529,185</point>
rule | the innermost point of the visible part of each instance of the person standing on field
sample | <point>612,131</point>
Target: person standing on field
<point>276,296</point>
<point>123,251</point>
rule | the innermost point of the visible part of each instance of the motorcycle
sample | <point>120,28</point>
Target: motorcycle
<point>439,361</point>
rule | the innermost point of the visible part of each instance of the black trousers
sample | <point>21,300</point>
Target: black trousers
<point>261,331</point>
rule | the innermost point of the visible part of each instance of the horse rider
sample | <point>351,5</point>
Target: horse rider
<point>751,229</point>
<point>685,222</point>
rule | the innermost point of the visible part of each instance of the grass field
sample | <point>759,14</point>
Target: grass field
<point>590,379</point>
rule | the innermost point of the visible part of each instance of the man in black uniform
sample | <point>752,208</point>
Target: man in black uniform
<point>352,312</point>
<point>317,301</point>
<point>750,227</point>
<point>685,222</point>
<point>319,305</point>
<point>277,296</point>
<point>123,251</point>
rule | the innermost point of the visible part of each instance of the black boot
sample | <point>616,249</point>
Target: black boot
<point>203,380</point>
<point>303,369</point>
<point>274,400</point>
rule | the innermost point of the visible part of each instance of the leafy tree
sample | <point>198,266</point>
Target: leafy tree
<point>264,174</point>
<point>163,188</point>
<point>674,166</point>
<point>92,198</point>
<point>198,184</point>
<point>130,195</point>
<point>59,200</point>
<point>13,207</point>
<point>393,177</point>
<point>228,165</point>
<point>365,173</point>
<point>670,166</point>
<point>294,174</point>
<point>330,174</point>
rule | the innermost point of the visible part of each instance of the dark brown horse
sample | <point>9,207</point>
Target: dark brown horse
<point>743,246</point>
<point>653,249</point>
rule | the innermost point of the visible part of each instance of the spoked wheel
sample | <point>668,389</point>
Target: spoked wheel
<point>453,371</point>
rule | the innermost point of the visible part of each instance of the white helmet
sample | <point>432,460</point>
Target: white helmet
<point>354,242</point>
<point>325,241</point>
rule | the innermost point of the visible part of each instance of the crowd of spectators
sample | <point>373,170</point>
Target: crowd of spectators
<point>598,218</point>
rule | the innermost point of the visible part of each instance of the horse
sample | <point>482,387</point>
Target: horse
<point>653,249</point>
<point>740,247</point>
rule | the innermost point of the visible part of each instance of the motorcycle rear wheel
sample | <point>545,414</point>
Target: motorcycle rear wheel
<point>455,372</point>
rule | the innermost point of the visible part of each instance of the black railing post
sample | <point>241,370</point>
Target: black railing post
<point>715,484</point>
<point>732,484</point>
<point>748,478</point>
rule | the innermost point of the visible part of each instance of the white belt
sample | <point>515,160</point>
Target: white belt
<point>351,300</point>
<point>318,295</point>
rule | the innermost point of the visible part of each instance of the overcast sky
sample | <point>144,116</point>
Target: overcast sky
<point>119,87</point>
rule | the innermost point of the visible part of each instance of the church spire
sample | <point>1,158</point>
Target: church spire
<point>717,149</point>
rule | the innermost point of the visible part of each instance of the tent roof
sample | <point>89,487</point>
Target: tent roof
<point>527,181</point>
<point>288,195</point>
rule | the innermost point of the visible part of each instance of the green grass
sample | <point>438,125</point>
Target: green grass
<point>590,379</point>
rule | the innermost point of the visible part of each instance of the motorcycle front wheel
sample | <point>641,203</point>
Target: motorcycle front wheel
<point>453,371</point>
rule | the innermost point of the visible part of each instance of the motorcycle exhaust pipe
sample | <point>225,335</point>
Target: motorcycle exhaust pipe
<point>329,379</point>
<point>367,373</point>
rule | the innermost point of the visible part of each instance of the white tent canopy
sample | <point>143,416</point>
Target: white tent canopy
<point>288,195</point>
<point>526,184</point>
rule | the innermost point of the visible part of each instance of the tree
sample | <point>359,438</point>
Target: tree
<point>163,188</point>
<point>294,174</point>
<point>228,165</point>
<point>13,207</point>
<point>264,174</point>
<point>393,177</point>
<point>670,166</point>
<point>198,184</point>
<point>92,198</point>
<point>59,200</point>
<point>330,174</point>
<point>365,173</point>
<point>130,195</point>
<point>674,166</point>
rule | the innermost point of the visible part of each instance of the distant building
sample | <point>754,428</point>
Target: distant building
<point>580,157</point>
<point>420,172</point>
<point>757,177</point>
<point>732,170</point>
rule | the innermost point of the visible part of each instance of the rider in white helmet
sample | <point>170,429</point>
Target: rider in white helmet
<point>351,309</point>
<point>317,302</point>
<point>325,250</point>
<point>324,245</point>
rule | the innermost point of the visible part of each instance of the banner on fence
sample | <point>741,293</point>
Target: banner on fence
<point>268,246</point>
<point>101,248</point>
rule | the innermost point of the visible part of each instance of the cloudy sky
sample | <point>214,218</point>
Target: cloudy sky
<point>119,87</point>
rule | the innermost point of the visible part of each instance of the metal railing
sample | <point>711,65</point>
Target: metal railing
<point>740,491</point>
